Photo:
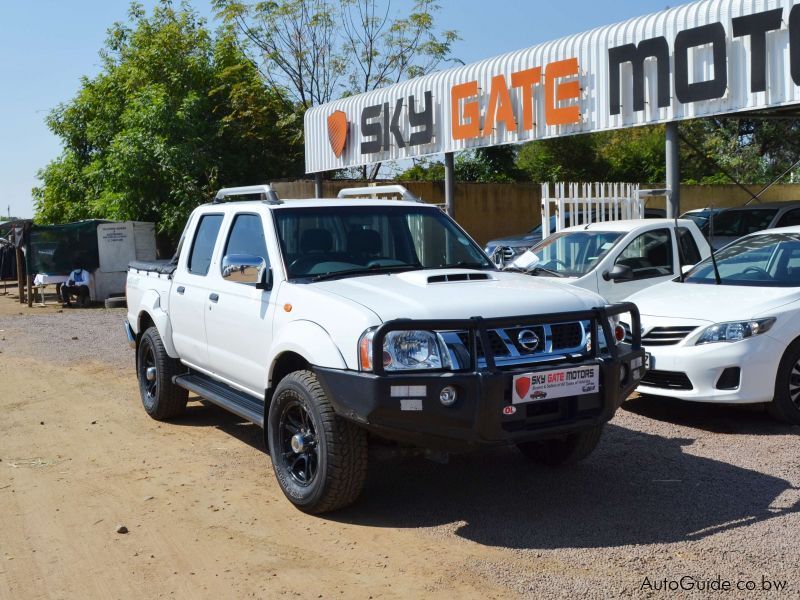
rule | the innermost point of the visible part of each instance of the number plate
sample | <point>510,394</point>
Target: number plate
<point>548,385</point>
<point>649,361</point>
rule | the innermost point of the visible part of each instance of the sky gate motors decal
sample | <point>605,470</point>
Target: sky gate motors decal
<point>547,385</point>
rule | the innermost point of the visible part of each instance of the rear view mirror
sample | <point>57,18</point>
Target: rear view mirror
<point>247,269</point>
<point>619,273</point>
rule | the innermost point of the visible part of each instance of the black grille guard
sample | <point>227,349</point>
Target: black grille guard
<point>478,328</point>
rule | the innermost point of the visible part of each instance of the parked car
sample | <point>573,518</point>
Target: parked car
<point>701,217</point>
<point>336,323</point>
<point>617,258</point>
<point>729,335</point>
<point>732,223</point>
<point>515,245</point>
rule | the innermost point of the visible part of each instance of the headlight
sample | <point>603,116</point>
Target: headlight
<point>406,351</point>
<point>735,331</point>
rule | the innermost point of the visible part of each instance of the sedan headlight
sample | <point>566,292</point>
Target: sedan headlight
<point>734,331</point>
<point>406,351</point>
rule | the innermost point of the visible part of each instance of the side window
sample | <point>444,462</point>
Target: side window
<point>790,218</point>
<point>205,238</point>
<point>649,254</point>
<point>247,237</point>
<point>690,253</point>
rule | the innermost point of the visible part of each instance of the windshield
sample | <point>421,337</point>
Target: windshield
<point>575,253</point>
<point>318,242</point>
<point>768,260</point>
<point>739,222</point>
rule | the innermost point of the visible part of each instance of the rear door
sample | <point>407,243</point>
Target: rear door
<point>239,322</point>
<point>190,291</point>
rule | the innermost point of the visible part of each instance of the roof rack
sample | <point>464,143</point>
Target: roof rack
<point>375,190</point>
<point>268,195</point>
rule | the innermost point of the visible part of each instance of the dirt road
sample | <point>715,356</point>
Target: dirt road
<point>672,491</point>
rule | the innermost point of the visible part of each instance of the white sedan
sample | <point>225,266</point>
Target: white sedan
<point>729,334</point>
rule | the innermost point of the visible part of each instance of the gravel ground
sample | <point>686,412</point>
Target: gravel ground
<point>673,490</point>
<point>72,336</point>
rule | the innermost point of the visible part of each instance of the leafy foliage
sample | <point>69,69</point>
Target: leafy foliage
<point>174,114</point>
<point>319,50</point>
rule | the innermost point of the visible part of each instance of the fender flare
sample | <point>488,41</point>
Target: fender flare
<point>151,306</point>
<point>309,340</point>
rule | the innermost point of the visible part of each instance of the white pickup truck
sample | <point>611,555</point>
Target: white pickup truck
<point>340,322</point>
<point>617,258</point>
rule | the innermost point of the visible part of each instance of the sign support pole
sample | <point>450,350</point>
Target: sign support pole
<point>317,185</point>
<point>449,183</point>
<point>673,170</point>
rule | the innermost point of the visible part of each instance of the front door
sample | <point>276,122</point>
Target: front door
<point>239,323</point>
<point>650,256</point>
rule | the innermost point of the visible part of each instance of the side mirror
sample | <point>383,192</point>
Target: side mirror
<point>499,257</point>
<point>619,273</point>
<point>247,269</point>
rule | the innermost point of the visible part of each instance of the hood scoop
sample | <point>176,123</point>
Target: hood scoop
<point>451,277</point>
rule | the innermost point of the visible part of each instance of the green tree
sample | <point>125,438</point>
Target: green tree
<point>320,50</point>
<point>572,158</point>
<point>174,114</point>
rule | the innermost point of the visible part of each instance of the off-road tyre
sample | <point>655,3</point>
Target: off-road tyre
<point>787,383</point>
<point>161,398</point>
<point>339,447</point>
<point>564,450</point>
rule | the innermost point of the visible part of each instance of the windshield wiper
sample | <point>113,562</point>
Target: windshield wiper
<point>537,270</point>
<point>365,271</point>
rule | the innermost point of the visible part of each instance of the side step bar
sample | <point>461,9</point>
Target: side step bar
<point>222,395</point>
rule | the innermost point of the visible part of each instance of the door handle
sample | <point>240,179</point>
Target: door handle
<point>180,290</point>
<point>214,298</point>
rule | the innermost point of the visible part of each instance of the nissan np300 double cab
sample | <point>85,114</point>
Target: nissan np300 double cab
<point>335,323</point>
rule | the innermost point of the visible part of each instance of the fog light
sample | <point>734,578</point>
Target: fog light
<point>619,333</point>
<point>448,395</point>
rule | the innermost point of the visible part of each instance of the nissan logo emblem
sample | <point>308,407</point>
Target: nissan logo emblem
<point>528,339</point>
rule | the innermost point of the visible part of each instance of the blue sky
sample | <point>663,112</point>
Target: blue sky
<point>47,45</point>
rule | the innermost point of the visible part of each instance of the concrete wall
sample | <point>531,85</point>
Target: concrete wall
<point>490,210</point>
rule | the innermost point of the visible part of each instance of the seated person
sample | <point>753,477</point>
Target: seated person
<point>77,285</point>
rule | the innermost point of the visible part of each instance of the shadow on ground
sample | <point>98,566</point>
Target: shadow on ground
<point>716,418</point>
<point>637,488</point>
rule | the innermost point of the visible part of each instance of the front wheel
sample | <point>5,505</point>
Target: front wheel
<point>785,405</point>
<point>319,459</point>
<point>565,450</point>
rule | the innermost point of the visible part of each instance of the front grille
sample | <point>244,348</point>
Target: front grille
<point>668,380</point>
<point>553,339</point>
<point>666,336</point>
<point>566,335</point>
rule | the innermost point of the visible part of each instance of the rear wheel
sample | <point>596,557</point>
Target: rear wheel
<point>564,450</point>
<point>155,369</point>
<point>785,405</point>
<point>319,459</point>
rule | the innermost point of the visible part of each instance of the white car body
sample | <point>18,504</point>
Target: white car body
<point>596,278</point>
<point>323,321</point>
<point>326,318</point>
<point>674,316</point>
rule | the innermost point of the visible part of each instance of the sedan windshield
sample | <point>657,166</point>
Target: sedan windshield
<point>338,241</point>
<point>767,260</point>
<point>572,254</point>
